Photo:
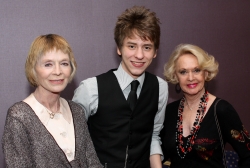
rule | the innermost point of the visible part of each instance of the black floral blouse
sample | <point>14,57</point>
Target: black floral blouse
<point>206,151</point>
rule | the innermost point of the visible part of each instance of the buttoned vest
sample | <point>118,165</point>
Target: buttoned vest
<point>119,134</point>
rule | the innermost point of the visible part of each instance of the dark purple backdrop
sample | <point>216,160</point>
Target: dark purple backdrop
<point>222,28</point>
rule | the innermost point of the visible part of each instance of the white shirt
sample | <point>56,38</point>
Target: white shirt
<point>60,127</point>
<point>87,96</point>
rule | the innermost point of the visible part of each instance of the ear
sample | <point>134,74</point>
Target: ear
<point>206,75</point>
<point>155,54</point>
<point>118,51</point>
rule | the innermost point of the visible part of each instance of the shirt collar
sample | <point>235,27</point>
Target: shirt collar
<point>42,112</point>
<point>124,79</point>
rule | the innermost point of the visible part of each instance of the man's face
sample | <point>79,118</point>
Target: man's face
<point>136,55</point>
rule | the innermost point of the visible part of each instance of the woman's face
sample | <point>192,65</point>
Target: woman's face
<point>191,78</point>
<point>53,71</point>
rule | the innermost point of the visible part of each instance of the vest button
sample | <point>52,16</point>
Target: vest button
<point>130,132</point>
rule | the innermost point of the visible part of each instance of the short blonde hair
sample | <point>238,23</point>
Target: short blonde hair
<point>206,62</point>
<point>39,47</point>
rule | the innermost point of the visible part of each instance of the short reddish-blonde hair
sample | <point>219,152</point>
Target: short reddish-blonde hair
<point>40,46</point>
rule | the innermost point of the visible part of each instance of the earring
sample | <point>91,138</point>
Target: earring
<point>177,88</point>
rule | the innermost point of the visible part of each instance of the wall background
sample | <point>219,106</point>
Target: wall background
<point>221,28</point>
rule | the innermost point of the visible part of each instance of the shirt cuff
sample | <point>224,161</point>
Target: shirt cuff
<point>156,149</point>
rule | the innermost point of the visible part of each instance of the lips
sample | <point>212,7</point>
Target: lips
<point>59,81</point>
<point>192,85</point>
<point>137,64</point>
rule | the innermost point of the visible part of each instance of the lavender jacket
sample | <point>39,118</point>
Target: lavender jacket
<point>28,144</point>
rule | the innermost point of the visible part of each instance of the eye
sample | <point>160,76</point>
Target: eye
<point>197,70</point>
<point>131,46</point>
<point>183,72</point>
<point>147,48</point>
<point>65,63</point>
<point>47,64</point>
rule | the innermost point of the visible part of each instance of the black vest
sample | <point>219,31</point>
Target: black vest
<point>115,128</point>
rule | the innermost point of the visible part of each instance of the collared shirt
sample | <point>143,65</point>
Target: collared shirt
<point>87,96</point>
<point>60,127</point>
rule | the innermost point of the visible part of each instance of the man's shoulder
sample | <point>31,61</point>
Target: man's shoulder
<point>106,73</point>
<point>162,83</point>
<point>88,80</point>
<point>85,86</point>
<point>161,80</point>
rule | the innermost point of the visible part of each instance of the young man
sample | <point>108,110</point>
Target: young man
<point>123,135</point>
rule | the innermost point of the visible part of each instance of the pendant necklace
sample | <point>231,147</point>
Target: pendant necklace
<point>51,114</point>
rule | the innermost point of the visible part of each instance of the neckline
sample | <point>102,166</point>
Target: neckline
<point>183,149</point>
<point>208,112</point>
<point>42,126</point>
<point>124,79</point>
<point>44,114</point>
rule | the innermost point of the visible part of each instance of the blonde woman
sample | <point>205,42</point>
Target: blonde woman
<point>190,136</point>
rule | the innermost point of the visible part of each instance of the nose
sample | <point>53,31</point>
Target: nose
<point>190,76</point>
<point>57,69</point>
<point>139,53</point>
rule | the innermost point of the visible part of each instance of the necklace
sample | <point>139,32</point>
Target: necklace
<point>51,114</point>
<point>182,149</point>
<point>189,106</point>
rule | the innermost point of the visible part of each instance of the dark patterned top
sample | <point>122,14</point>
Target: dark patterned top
<point>207,152</point>
<point>28,144</point>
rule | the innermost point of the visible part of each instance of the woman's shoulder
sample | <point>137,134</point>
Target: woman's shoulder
<point>75,108</point>
<point>20,111</point>
<point>174,104</point>
<point>73,104</point>
<point>172,108</point>
<point>19,108</point>
<point>223,105</point>
<point>224,109</point>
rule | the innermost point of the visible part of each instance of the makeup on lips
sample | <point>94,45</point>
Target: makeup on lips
<point>192,85</point>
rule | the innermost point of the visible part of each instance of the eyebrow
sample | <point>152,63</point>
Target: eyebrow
<point>129,42</point>
<point>65,59</point>
<point>190,69</point>
<point>49,60</point>
<point>151,45</point>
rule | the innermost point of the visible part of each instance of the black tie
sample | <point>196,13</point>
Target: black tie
<point>132,97</point>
